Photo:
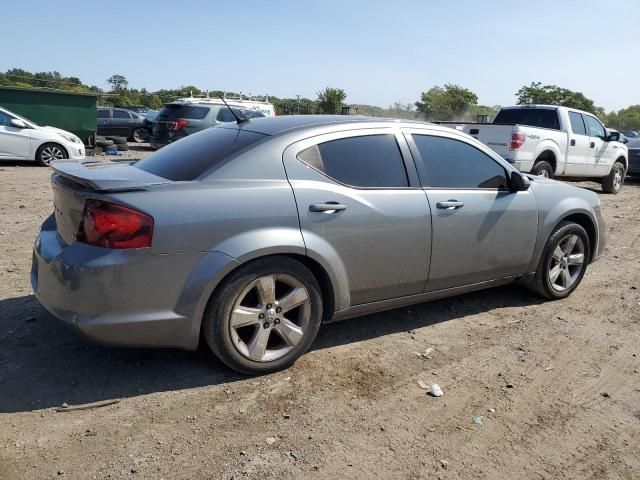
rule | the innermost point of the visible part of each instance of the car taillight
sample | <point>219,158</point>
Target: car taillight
<point>109,225</point>
<point>517,140</point>
<point>175,126</point>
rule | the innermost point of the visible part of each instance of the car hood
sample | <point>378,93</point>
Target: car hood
<point>55,130</point>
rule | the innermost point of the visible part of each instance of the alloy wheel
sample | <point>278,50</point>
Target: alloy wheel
<point>543,173</point>
<point>567,262</point>
<point>617,178</point>
<point>51,153</point>
<point>269,317</point>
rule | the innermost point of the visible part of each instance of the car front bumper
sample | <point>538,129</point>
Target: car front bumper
<point>602,234</point>
<point>116,297</point>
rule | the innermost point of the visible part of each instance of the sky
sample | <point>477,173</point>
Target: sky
<point>379,52</point>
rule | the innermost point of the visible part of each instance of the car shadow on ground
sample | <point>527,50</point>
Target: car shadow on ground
<point>44,364</point>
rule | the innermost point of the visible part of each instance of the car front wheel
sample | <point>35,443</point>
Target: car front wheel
<point>50,152</point>
<point>264,316</point>
<point>563,262</point>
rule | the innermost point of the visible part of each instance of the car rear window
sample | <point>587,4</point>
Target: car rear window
<point>174,110</point>
<point>533,117</point>
<point>196,154</point>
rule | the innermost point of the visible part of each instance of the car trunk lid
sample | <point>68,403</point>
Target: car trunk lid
<point>73,183</point>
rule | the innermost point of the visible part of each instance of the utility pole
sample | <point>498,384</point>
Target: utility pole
<point>298,97</point>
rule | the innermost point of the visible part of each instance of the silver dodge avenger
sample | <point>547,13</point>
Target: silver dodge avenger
<point>252,234</point>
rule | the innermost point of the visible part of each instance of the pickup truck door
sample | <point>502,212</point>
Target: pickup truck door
<point>481,230</point>
<point>578,150</point>
<point>601,151</point>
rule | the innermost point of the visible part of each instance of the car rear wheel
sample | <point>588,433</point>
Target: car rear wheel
<point>137,135</point>
<point>264,316</point>
<point>50,152</point>
<point>613,182</point>
<point>563,262</point>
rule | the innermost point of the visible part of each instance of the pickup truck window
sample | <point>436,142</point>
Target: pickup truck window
<point>577,123</point>
<point>450,163</point>
<point>532,117</point>
<point>595,127</point>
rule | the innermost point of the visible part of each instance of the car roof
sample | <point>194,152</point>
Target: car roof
<point>286,123</point>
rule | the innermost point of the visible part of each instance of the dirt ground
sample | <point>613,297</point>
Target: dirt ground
<point>554,388</point>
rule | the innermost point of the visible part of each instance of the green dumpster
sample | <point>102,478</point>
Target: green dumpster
<point>74,112</point>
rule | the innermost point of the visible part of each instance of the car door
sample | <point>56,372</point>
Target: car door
<point>481,230</point>
<point>601,151</point>
<point>360,204</point>
<point>122,122</point>
<point>578,151</point>
<point>15,142</point>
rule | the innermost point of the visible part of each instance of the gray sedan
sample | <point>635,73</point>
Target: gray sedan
<point>251,235</point>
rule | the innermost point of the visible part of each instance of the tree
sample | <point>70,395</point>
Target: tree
<point>553,95</point>
<point>450,102</point>
<point>331,99</point>
<point>117,82</point>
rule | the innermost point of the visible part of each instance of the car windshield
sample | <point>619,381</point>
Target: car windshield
<point>172,111</point>
<point>28,122</point>
<point>197,154</point>
<point>533,117</point>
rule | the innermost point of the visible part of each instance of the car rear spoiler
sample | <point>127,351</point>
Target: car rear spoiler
<point>103,177</point>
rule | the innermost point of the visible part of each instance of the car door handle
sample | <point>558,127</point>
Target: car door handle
<point>573,142</point>
<point>328,207</point>
<point>592,145</point>
<point>450,205</point>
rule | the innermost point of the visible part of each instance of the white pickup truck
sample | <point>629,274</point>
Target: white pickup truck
<point>556,142</point>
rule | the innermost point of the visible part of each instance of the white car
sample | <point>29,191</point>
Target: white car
<point>21,139</point>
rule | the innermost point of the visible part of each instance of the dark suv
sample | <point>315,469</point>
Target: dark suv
<point>121,122</point>
<point>177,120</point>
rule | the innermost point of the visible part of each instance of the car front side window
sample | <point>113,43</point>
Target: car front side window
<point>450,163</point>
<point>368,161</point>
<point>5,120</point>
<point>594,127</point>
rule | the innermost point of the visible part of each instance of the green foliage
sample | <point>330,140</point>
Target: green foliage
<point>118,83</point>
<point>16,77</point>
<point>451,102</point>
<point>625,119</point>
<point>331,100</point>
<point>539,94</point>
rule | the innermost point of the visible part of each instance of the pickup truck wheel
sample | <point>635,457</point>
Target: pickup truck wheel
<point>563,262</point>
<point>264,315</point>
<point>542,169</point>
<point>612,183</point>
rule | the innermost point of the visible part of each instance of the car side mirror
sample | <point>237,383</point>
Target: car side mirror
<point>613,137</point>
<point>519,183</point>
<point>16,122</point>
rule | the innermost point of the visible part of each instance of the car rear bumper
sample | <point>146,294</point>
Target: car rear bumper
<point>116,297</point>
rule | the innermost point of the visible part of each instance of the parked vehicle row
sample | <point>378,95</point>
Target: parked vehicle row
<point>555,141</point>
<point>121,122</point>
<point>22,139</point>
<point>275,225</point>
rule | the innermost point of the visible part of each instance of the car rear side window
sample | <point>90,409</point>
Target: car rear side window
<point>225,115</point>
<point>370,161</point>
<point>197,154</point>
<point>577,123</point>
<point>450,163</point>
<point>176,110</point>
<point>121,114</point>
<point>533,117</point>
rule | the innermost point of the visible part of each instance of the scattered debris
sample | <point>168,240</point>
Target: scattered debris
<point>548,369</point>
<point>492,410</point>
<point>87,406</point>
<point>422,385</point>
<point>445,464</point>
<point>426,354</point>
<point>271,440</point>
<point>606,395</point>
<point>479,420</point>
<point>509,385</point>
<point>435,390</point>
<point>286,416</point>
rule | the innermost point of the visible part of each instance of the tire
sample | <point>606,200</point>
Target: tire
<point>542,169</point>
<point>98,150</point>
<point>613,182</point>
<point>118,140</point>
<point>557,253</point>
<point>104,143</point>
<point>122,148</point>
<point>49,152</point>
<point>138,135</point>
<point>239,347</point>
